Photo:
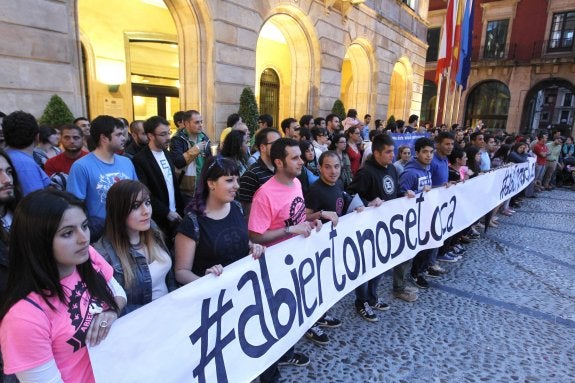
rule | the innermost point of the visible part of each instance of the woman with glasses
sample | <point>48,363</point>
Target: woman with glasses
<point>213,233</point>
<point>339,145</point>
<point>135,249</point>
<point>354,149</point>
<point>61,293</point>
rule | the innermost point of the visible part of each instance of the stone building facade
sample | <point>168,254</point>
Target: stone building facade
<point>370,54</point>
<point>523,66</point>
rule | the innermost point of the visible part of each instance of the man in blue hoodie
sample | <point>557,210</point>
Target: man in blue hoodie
<point>416,177</point>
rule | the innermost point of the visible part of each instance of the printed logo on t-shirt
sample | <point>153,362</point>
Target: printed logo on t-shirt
<point>339,203</point>
<point>388,185</point>
<point>296,212</point>
<point>105,182</point>
<point>80,320</point>
<point>422,182</point>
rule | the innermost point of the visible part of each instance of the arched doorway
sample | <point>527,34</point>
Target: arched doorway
<point>285,44</point>
<point>356,78</point>
<point>428,101</point>
<point>270,94</point>
<point>159,65</point>
<point>489,102</point>
<point>549,103</point>
<point>400,90</point>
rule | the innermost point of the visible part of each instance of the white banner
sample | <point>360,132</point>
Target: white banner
<point>232,327</point>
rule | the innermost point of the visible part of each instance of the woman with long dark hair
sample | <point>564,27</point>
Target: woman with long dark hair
<point>135,249</point>
<point>213,233</point>
<point>236,148</point>
<point>354,148</point>
<point>61,293</point>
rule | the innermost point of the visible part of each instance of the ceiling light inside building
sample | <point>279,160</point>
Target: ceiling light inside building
<point>271,32</point>
<point>155,3</point>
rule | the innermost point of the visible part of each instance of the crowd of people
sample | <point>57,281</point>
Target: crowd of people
<point>102,217</point>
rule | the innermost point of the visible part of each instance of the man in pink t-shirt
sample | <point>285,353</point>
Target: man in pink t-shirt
<point>278,213</point>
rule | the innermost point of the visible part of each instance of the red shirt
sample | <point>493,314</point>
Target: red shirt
<point>61,163</point>
<point>540,149</point>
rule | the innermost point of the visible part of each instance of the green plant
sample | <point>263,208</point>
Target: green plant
<point>338,109</point>
<point>56,113</point>
<point>249,110</point>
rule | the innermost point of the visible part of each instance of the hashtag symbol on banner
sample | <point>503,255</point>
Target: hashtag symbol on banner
<point>202,334</point>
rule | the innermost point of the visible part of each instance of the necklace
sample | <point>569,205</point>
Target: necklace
<point>136,246</point>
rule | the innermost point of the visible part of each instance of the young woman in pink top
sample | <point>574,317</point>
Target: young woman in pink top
<point>61,294</point>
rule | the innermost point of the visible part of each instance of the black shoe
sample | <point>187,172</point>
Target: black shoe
<point>420,282</point>
<point>328,321</point>
<point>366,312</point>
<point>299,360</point>
<point>316,335</point>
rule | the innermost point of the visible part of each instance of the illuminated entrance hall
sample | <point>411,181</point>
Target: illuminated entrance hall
<point>134,58</point>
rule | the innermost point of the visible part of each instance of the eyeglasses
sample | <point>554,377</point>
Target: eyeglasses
<point>217,160</point>
<point>269,143</point>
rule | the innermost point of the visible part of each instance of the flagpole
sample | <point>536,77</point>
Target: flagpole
<point>437,98</point>
<point>460,92</point>
<point>446,94</point>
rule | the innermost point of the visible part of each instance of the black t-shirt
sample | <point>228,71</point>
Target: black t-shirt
<point>374,180</point>
<point>222,241</point>
<point>322,196</point>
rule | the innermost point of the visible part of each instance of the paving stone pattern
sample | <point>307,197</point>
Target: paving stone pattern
<point>504,313</point>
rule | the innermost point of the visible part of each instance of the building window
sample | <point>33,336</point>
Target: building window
<point>270,94</point>
<point>409,3</point>
<point>433,42</point>
<point>562,32</point>
<point>495,38</point>
<point>488,102</point>
<point>568,99</point>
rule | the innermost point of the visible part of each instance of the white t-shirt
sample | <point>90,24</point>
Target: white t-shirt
<point>167,172</point>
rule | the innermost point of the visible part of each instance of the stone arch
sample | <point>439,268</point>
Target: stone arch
<point>357,77</point>
<point>488,101</point>
<point>194,34</point>
<point>400,90</point>
<point>534,106</point>
<point>297,62</point>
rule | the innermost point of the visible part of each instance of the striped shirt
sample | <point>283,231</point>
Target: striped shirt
<point>256,175</point>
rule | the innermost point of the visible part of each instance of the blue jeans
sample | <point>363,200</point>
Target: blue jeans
<point>367,292</point>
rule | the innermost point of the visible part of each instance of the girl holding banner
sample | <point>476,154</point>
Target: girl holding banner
<point>214,233</point>
<point>61,293</point>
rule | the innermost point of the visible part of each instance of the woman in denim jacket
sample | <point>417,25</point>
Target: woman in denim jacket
<point>134,246</point>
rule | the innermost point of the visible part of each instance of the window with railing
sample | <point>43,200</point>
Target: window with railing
<point>495,39</point>
<point>562,32</point>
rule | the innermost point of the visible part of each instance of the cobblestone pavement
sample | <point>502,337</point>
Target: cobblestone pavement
<point>504,313</point>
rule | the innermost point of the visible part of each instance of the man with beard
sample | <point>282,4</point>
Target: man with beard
<point>72,142</point>
<point>9,197</point>
<point>156,170</point>
<point>139,139</point>
<point>278,213</point>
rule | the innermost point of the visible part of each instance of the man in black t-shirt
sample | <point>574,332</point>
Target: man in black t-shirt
<point>325,200</point>
<point>376,183</point>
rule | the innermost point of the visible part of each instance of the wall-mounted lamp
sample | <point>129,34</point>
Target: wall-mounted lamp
<point>111,72</point>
